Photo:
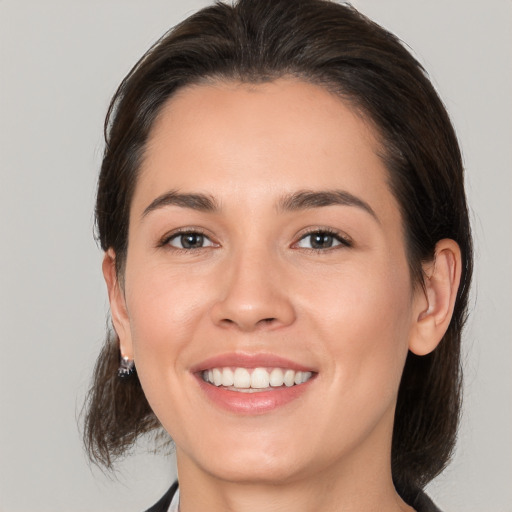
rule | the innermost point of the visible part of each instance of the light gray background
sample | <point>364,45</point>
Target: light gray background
<point>60,62</point>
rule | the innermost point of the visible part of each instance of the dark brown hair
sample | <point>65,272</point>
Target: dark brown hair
<point>336,47</point>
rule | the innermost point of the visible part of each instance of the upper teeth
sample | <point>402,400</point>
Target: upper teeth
<point>258,378</point>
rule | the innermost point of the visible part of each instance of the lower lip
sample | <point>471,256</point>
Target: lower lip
<point>259,402</point>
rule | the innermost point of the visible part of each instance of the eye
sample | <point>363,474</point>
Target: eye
<point>322,239</point>
<point>189,240</point>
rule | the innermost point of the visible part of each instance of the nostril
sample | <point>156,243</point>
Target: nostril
<point>263,321</point>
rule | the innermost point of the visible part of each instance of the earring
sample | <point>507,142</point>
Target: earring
<point>126,368</point>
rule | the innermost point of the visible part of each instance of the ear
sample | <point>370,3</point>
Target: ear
<point>433,305</point>
<point>118,308</point>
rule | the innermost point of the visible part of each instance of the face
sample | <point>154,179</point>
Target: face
<point>267,300</point>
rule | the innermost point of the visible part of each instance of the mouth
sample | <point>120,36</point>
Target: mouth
<point>254,380</point>
<point>252,384</point>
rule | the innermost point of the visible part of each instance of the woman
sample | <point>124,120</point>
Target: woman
<point>288,256</point>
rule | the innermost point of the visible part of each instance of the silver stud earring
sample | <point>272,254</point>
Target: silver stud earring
<point>126,368</point>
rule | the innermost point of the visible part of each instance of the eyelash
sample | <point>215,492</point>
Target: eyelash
<point>165,242</point>
<point>344,241</point>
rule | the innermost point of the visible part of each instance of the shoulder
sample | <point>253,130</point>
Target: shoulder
<point>162,505</point>
<point>422,503</point>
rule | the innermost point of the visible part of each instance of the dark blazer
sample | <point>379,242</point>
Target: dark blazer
<point>165,501</point>
<point>422,503</point>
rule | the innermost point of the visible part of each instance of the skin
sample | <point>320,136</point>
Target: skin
<point>349,312</point>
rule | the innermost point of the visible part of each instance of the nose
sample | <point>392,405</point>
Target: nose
<point>253,295</point>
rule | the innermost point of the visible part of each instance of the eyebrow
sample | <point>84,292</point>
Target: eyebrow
<point>308,199</point>
<point>200,202</point>
<point>301,200</point>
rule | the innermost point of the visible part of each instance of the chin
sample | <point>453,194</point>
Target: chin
<point>273,458</point>
<point>256,469</point>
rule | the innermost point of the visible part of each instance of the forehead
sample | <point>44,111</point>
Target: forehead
<point>246,141</point>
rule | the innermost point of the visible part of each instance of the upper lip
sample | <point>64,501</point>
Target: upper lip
<point>246,360</point>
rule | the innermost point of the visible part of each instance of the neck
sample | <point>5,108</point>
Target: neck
<point>359,483</point>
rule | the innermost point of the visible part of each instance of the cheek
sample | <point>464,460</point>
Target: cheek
<point>365,297</point>
<point>163,309</point>
<point>366,318</point>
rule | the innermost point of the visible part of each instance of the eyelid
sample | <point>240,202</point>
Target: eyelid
<point>164,241</point>
<point>343,238</point>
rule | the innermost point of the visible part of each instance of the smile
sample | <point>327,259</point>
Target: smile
<point>253,384</point>
<point>250,380</point>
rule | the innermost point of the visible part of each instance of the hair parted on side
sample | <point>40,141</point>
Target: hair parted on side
<point>336,47</point>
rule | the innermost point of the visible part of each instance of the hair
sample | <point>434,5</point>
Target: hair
<point>336,47</point>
